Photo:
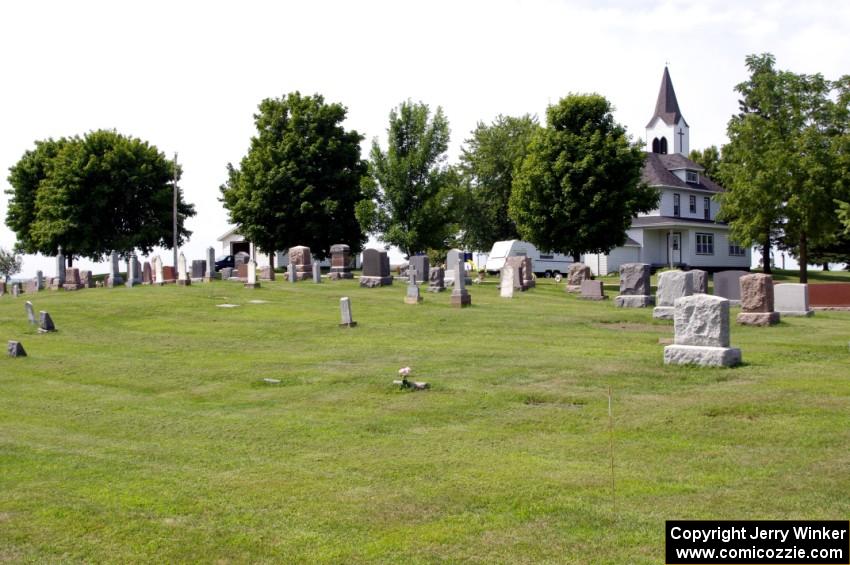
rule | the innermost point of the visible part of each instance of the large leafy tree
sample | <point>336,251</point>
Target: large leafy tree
<point>580,184</point>
<point>783,164</point>
<point>487,165</point>
<point>708,159</point>
<point>411,192</point>
<point>10,264</point>
<point>300,180</point>
<point>92,195</point>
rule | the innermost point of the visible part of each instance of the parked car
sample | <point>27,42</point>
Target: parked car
<point>224,261</point>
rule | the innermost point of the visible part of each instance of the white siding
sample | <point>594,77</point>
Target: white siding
<point>720,258</point>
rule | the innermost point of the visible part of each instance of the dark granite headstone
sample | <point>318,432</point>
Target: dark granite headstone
<point>728,284</point>
<point>147,273</point>
<point>340,262</point>
<point>45,323</point>
<point>420,264</point>
<point>15,349</point>
<point>199,268</point>
<point>376,268</point>
<point>592,290</point>
<point>168,274</point>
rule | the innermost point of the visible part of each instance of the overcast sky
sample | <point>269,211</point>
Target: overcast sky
<point>187,77</point>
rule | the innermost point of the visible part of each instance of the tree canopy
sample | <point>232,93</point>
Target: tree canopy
<point>708,159</point>
<point>411,190</point>
<point>92,195</point>
<point>10,264</point>
<point>487,166</point>
<point>580,184</point>
<point>299,183</point>
<point>784,164</point>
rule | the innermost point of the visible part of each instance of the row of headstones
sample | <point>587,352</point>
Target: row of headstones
<point>45,323</point>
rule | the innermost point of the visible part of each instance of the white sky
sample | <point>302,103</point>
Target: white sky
<point>187,77</point>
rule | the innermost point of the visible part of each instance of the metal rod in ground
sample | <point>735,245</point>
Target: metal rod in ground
<point>611,437</point>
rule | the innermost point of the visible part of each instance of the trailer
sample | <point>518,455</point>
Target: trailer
<point>546,264</point>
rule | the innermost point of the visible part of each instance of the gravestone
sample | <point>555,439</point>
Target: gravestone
<point>700,281</point>
<point>460,296</point>
<point>30,312</point>
<point>727,284</point>
<point>577,273</point>
<point>114,277</point>
<point>169,274</point>
<point>158,271</point>
<point>592,290</point>
<point>60,268</point>
<point>209,275</point>
<point>242,271</point>
<point>757,301</point>
<point>199,269</point>
<point>147,274</point>
<point>266,273</point>
<point>672,285</point>
<point>226,273</point>
<point>137,270</point>
<point>376,269</point>
<point>132,274</point>
<point>72,279</point>
<point>45,323</point>
<point>290,273</point>
<point>634,286</point>
<point>182,275</point>
<point>792,299</point>
<point>701,328</point>
<point>16,290</point>
<point>15,349</point>
<point>317,272</point>
<point>301,258</point>
<point>340,262</point>
<point>421,265</point>
<point>517,262</point>
<point>452,257</point>
<point>241,258</point>
<point>251,281</point>
<point>508,281</point>
<point>31,286</point>
<point>528,273</point>
<point>345,313</point>
<point>412,296</point>
<point>436,279</point>
<point>39,280</point>
<point>86,279</point>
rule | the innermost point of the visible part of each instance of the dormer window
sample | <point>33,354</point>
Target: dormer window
<point>692,176</point>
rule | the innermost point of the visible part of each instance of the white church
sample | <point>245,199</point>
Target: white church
<point>683,230</point>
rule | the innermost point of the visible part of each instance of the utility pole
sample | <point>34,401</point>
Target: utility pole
<point>174,210</point>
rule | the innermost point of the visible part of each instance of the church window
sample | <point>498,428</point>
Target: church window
<point>656,148</point>
<point>705,244</point>
<point>692,176</point>
<point>692,201</point>
<point>662,146</point>
<point>676,206</point>
<point>706,208</point>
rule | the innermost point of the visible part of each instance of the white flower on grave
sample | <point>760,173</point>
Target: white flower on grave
<point>404,371</point>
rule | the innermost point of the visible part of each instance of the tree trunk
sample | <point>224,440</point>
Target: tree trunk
<point>70,260</point>
<point>826,266</point>
<point>804,259</point>
<point>765,257</point>
<point>271,260</point>
<point>577,257</point>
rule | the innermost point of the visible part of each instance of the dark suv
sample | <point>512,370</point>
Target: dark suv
<point>224,261</point>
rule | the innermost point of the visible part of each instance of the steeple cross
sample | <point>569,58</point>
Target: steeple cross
<point>681,135</point>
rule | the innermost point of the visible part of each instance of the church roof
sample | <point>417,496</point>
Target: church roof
<point>667,107</point>
<point>657,171</point>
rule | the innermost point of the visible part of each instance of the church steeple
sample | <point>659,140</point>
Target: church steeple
<point>667,125</point>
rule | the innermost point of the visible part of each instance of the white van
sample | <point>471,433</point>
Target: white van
<point>546,264</point>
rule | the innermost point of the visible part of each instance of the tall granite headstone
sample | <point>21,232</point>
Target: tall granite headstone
<point>792,299</point>
<point>727,284</point>
<point>147,274</point>
<point>115,278</point>
<point>701,326</point>
<point>757,301</point>
<point>419,263</point>
<point>60,268</point>
<point>436,279</point>
<point>634,286</point>
<point>577,273</point>
<point>672,285</point>
<point>340,262</point>
<point>72,279</point>
<point>376,269</point>
<point>209,275</point>
<point>182,275</point>
<point>700,280</point>
<point>508,281</point>
<point>460,296</point>
<point>132,275</point>
<point>199,269</point>
<point>317,272</point>
<point>528,273</point>
<point>301,258</point>
<point>251,281</point>
<point>30,312</point>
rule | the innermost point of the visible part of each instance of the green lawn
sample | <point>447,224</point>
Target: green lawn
<point>143,431</point>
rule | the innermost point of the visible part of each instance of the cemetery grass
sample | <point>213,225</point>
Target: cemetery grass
<point>142,431</point>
